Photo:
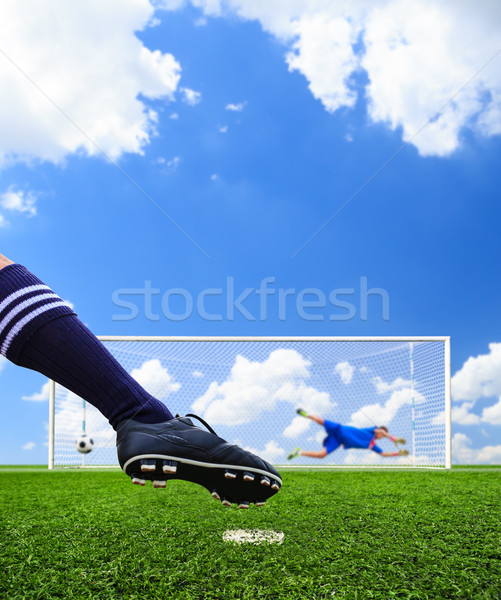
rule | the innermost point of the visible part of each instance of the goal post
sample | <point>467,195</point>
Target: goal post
<point>248,390</point>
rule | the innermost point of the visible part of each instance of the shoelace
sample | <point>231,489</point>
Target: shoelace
<point>203,422</point>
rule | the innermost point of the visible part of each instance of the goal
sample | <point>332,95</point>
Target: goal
<point>248,390</point>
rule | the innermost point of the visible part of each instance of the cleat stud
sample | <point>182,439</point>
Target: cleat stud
<point>265,481</point>
<point>169,466</point>
<point>243,504</point>
<point>215,495</point>
<point>148,466</point>
<point>248,476</point>
<point>137,481</point>
<point>230,474</point>
<point>159,484</point>
<point>225,502</point>
<point>262,503</point>
<point>275,486</point>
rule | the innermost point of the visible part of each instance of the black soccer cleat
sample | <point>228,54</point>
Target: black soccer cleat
<point>177,449</point>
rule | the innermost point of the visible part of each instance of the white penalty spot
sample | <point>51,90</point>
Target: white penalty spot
<point>253,536</point>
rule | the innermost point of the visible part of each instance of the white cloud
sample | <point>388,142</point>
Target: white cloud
<point>223,129</point>
<point>323,53</point>
<point>28,446</point>
<point>155,379</point>
<point>154,22</point>
<point>19,200</point>
<point>197,374</point>
<point>297,427</point>
<point>40,396</point>
<point>14,200</point>
<point>174,162</point>
<point>3,362</point>
<point>382,387</point>
<point>384,413</point>
<point>236,107</point>
<point>463,453</point>
<point>169,4</point>
<point>256,387</point>
<point>417,61</point>
<point>479,377</point>
<point>438,419</point>
<point>168,166</point>
<point>276,16</point>
<point>345,371</point>
<point>88,64</point>
<point>418,54</point>
<point>492,414</point>
<point>191,97</point>
<point>463,416</point>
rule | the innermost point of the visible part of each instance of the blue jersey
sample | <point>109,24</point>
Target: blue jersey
<point>349,437</point>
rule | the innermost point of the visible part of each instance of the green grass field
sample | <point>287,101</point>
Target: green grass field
<point>348,534</point>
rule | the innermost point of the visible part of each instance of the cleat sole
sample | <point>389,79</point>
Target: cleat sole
<point>225,502</point>
<point>178,449</point>
<point>253,484</point>
<point>137,481</point>
<point>159,484</point>
<point>244,504</point>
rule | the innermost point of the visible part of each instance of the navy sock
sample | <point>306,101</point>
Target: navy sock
<point>41,332</point>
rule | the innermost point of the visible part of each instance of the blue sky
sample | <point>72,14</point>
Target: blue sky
<point>210,145</point>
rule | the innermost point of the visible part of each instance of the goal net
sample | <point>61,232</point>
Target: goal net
<point>248,390</point>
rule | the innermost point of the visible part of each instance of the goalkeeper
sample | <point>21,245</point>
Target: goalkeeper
<point>348,437</point>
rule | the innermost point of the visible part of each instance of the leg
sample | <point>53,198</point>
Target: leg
<point>330,443</point>
<point>39,331</point>
<point>311,453</point>
<point>303,413</point>
<point>4,261</point>
<point>314,454</point>
<point>316,419</point>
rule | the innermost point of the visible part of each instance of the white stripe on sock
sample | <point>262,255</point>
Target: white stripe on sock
<point>25,320</point>
<point>15,295</point>
<point>22,305</point>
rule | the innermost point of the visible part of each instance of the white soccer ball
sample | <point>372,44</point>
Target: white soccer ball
<point>84,444</point>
